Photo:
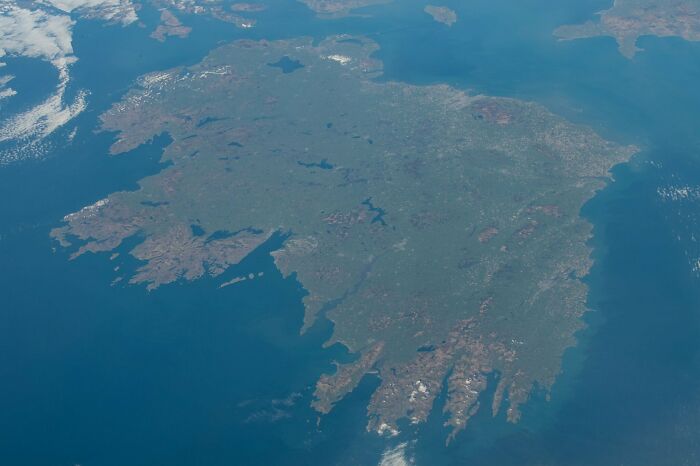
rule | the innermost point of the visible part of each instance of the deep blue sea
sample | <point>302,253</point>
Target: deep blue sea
<point>191,374</point>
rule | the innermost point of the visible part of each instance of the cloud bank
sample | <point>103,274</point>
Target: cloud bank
<point>121,11</point>
<point>5,90</point>
<point>41,35</point>
<point>36,34</point>
<point>44,31</point>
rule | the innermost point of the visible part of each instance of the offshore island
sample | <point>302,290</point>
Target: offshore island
<point>442,14</point>
<point>439,231</point>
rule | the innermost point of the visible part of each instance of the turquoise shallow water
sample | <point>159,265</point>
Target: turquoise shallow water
<point>190,374</point>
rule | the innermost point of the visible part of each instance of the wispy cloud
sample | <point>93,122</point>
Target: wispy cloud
<point>36,34</point>
<point>41,35</point>
<point>5,90</point>
<point>396,456</point>
<point>121,11</point>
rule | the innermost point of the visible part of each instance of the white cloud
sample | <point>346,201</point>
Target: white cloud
<point>44,31</point>
<point>122,11</point>
<point>5,90</point>
<point>43,119</point>
<point>396,456</point>
<point>38,34</point>
<point>5,79</point>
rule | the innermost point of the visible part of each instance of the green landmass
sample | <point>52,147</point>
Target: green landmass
<point>442,14</point>
<point>438,230</point>
<point>627,20</point>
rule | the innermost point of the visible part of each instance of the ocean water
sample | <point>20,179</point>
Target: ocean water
<point>190,374</point>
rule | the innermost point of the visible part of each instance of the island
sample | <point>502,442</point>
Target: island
<point>170,26</point>
<point>249,7</point>
<point>439,230</point>
<point>442,14</point>
<point>218,9</point>
<point>628,20</point>
<point>338,8</point>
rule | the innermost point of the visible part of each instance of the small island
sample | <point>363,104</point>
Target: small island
<point>442,14</point>
<point>249,7</point>
<point>330,9</point>
<point>170,26</point>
